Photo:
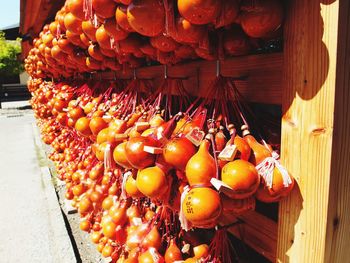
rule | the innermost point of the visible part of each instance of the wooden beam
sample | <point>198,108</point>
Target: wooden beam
<point>263,72</point>
<point>308,99</point>
<point>257,231</point>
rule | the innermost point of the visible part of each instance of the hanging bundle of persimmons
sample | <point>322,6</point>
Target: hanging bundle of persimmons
<point>144,175</point>
<point>90,35</point>
<point>154,173</point>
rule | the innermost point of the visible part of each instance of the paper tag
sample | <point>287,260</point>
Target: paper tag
<point>115,199</point>
<point>195,136</point>
<point>185,224</point>
<point>221,187</point>
<point>152,150</point>
<point>186,248</point>
<point>125,178</point>
<point>160,136</point>
<point>65,110</point>
<point>142,126</point>
<point>266,167</point>
<point>81,104</point>
<point>89,181</point>
<point>287,180</point>
<point>107,160</point>
<point>120,137</point>
<point>154,254</point>
<point>107,260</point>
<point>76,103</point>
<point>228,153</point>
<point>106,117</point>
<point>137,221</point>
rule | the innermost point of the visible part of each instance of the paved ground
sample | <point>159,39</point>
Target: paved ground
<point>32,227</point>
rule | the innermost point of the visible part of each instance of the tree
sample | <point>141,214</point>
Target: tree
<point>9,50</point>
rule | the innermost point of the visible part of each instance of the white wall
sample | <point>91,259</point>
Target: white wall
<point>24,78</point>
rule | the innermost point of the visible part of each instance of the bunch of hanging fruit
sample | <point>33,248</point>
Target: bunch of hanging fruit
<point>155,174</point>
<point>90,35</point>
<point>152,173</point>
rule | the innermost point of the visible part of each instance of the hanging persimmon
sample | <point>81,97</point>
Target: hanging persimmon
<point>119,156</point>
<point>73,24</point>
<point>152,239</point>
<point>201,167</point>
<point>104,8</point>
<point>186,32</point>
<point>261,18</point>
<point>259,151</point>
<point>178,151</point>
<point>202,207</point>
<point>97,124</point>
<point>172,253</point>
<point>199,12</point>
<point>152,182</point>
<point>150,256</point>
<point>102,38</point>
<point>136,155</point>
<point>89,29</point>
<point>163,43</point>
<point>131,188</point>
<point>76,7</point>
<point>242,177</point>
<point>115,32</point>
<point>236,42</point>
<point>228,13</point>
<point>53,28</point>
<point>122,18</point>
<point>95,52</point>
<point>147,17</point>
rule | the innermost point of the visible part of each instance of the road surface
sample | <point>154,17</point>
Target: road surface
<point>32,227</point>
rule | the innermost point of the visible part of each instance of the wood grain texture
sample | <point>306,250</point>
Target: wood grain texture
<point>338,227</point>
<point>257,231</point>
<point>263,72</point>
<point>307,127</point>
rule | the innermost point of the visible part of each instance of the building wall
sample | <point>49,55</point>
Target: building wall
<point>23,78</point>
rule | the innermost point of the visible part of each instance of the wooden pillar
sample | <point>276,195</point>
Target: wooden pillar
<point>314,224</point>
<point>338,225</point>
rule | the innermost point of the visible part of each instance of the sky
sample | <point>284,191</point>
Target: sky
<point>9,12</point>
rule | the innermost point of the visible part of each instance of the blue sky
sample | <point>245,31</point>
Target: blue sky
<point>9,12</point>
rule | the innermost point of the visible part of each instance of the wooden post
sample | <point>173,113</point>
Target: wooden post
<point>314,220</point>
<point>338,226</point>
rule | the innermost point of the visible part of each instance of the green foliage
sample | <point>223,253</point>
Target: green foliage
<point>9,50</point>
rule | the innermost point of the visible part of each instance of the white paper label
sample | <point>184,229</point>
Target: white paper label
<point>106,117</point>
<point>120,137</point>
<point>228,153</point>
<point>137,221</point>
<point>195,136</point>
<point>125,178</point>
<point>221,187</point>
<point>185,224</point>
<point>266,167</point>
<point>154,254</point>
<point>186,248</point>
<point>152,150</point>
<point>141,126</point>
<point>107,260</point>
